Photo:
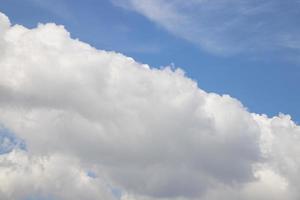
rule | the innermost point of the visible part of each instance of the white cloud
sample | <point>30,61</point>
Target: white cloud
<point>151,133</point>
<point>226,27</point>
<point>49,177</point>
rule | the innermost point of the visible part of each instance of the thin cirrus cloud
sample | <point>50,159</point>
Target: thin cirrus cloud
<point>227,27</point>
<point>99,125</point>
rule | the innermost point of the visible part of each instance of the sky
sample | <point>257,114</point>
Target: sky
<point>149,100</point>
<point>249,49</point>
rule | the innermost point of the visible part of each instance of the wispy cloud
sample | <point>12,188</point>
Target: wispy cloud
<point>226,26</point>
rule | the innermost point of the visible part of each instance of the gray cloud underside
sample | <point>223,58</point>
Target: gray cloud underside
<point>150,134</point>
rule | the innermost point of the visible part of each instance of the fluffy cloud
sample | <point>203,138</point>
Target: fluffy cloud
<point>142,133</point>
<point>53,177</point>
<point>227,27</point>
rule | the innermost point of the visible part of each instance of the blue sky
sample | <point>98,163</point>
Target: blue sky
<point>250,51</point>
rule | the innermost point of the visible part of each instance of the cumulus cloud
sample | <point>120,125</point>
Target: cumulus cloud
<point>50,177</point>
<point>226,27</point>
<point>142,133</point>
